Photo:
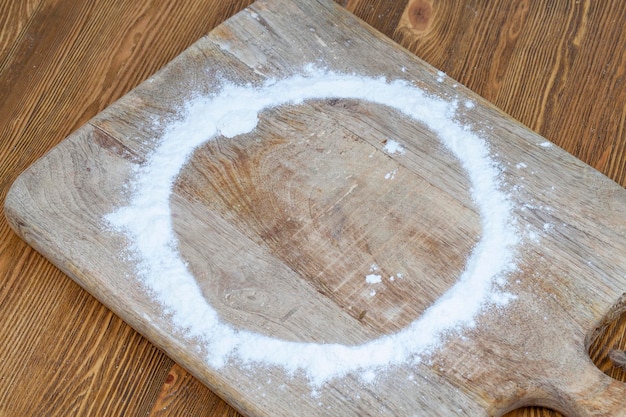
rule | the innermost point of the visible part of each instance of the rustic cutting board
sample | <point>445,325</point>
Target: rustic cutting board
<point>281,226</point>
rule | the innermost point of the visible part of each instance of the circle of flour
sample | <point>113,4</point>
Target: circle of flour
<point>147,224</point>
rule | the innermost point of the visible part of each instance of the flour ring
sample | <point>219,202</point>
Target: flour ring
<point>165,274</point>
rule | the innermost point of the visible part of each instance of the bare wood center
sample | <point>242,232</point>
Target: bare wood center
<point>308,222</point>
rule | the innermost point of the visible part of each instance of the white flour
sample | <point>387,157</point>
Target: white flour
<point>392,147</point>
<point>234,110</point>
<point>373,278</point>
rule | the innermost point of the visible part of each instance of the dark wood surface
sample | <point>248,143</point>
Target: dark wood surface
<point>557,67</point>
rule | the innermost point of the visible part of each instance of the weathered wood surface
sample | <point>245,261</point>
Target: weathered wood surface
<point>50,87</point>
<point>291,226</point>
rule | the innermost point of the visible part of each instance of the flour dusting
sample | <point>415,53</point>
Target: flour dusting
<point>146,222</point>
<point>392,146</point>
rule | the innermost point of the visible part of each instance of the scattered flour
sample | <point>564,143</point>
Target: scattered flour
<point>391,147</point>
<point>147,224</point>
<point>391,174</point>
<point>373,279</point>
<point>531,234</point>
<point>398,275</point>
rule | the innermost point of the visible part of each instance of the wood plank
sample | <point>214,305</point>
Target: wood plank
<point>486,46</point>
<point>383,15</point>
<point>14,18</point>
<point>552,66</point>
<point>61,63</point>
<point>183,395</point>
<point>578,253</point>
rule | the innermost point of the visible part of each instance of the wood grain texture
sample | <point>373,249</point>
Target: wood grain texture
<point>551,66</point>
<point>61,63</point>
<point>566,277</point>
<point>58,69</point>
<point>555,67</point>
<point>182,395</point>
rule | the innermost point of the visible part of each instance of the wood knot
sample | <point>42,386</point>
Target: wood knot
<point>420,13</point>
<point>618,357</point>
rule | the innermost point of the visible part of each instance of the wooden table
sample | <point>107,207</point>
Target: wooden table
<point>559,68</point>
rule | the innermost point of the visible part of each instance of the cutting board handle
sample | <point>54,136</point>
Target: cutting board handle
<point>570,382</point>
<point>590,392</point>
<point>593,393</point>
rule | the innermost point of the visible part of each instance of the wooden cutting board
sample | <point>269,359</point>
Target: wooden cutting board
<point>282,226</point>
